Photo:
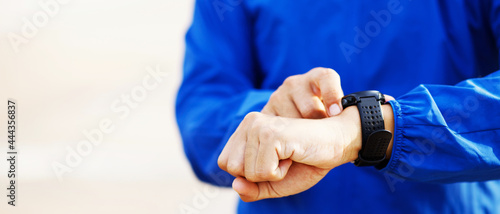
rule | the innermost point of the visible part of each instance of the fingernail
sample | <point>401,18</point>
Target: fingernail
<point>334,109</point>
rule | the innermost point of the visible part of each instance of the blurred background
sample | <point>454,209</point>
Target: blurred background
<point>72,66</point>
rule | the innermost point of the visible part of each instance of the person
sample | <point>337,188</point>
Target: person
<point>258,99</point>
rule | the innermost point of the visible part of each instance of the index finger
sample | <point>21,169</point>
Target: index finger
<point>327,82</point>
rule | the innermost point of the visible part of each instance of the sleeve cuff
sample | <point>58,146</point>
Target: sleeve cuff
<point>397,144</point>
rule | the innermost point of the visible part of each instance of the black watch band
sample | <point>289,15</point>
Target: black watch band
<point>375,139</point>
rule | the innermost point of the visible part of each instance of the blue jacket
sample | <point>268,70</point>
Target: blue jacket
<point>439,58</point>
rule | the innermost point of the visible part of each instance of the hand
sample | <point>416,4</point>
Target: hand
<point>275,156</point>
<point>306,95</point>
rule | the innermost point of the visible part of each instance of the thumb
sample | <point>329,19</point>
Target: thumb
<point>247,190</point>
<point>250,191</point>
<point>328,82</point>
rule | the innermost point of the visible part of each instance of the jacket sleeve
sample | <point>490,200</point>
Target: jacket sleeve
<point>447,134</point>
<point>219,87</point>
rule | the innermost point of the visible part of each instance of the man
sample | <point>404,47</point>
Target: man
<point>439,59</point>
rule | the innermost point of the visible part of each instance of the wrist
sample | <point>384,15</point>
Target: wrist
<point>389,125</point>
<point>351,129</point>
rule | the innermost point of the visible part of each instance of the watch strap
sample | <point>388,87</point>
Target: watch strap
<point>375,138</point>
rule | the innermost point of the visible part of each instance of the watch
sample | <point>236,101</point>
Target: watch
<point>375,139</point>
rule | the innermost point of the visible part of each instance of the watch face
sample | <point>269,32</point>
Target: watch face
<point>352,99</point>
<point>370,93</point>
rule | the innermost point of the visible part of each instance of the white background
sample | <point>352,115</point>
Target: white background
<point>66,77</point>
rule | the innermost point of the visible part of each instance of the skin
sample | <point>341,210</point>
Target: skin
<point>278,152</point>
<point>307,95</point>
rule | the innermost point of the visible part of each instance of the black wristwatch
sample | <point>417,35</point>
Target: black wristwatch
<point>375,138</point>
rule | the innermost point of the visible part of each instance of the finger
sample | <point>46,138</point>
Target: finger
<point>268,110</point>
<point>328,82</point>
<point>268,165</point>
<point>281,104</point>
<point>299,178</point>
<point>228,159</point>
<point>224,155</point>
<point>308,103</point>
<point>251,150</point>
<point>248,191</point>
<point>236,159</point>
<point>287,108</point>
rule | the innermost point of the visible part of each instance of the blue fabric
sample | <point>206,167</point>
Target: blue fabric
<point>438,58</point>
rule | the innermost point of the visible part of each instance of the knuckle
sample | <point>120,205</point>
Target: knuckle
<point>251,116</point>
<point>221,164</point>
<point>330,73</point>
<point>278,123</point>
<point>291,80</point>
<point>315,69</point>
<point>319,71</point>
<point>326,73</point>
<point>334,75</point>
<point>234,168</point>
<point>255,127</point>
<point>264,175</point>
<point>275,95</point>
<point>251,177</point>
<point>267,175</point>
<point>323,71</point>
<point>266,135</point>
